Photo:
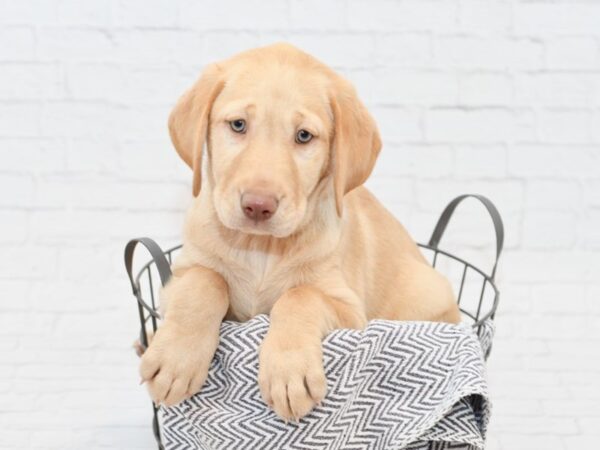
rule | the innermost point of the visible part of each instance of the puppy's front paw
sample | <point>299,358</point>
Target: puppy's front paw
<point>291,378</point>
<point>176,364</point>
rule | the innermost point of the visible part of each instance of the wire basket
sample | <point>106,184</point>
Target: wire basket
<point>476,291</point>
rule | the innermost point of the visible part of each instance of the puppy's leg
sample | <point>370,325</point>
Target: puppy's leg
<point>176,363</point>
<point>421,293</point>
<point>291,375</point>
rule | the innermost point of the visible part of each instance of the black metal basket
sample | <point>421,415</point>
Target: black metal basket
<point>477,294</point>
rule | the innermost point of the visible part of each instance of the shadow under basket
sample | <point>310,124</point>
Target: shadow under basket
<point>475,290</point>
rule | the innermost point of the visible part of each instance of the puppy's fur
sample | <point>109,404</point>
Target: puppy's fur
<point>330,256</point>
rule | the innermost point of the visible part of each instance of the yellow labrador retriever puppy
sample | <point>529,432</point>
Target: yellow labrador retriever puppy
<point>281,225</point>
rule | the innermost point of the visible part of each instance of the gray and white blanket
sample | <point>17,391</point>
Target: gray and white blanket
<point>393,385</point>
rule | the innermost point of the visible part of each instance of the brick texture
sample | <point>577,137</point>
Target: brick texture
<point>500,97</point>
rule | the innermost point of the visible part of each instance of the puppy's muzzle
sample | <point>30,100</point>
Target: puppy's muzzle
<point>258,206</point>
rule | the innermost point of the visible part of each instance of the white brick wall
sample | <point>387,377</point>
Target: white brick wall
<point>497,97</point>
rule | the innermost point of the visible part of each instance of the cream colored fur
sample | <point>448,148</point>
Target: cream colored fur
<point>331,256</point>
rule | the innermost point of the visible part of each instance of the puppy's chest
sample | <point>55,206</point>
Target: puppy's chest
<point>256,281</point>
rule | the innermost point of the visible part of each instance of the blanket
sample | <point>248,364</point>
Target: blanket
<point>393,385</point>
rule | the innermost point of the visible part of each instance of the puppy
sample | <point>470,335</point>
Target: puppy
<point>281,225</point>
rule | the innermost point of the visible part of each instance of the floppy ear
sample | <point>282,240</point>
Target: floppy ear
<point>356,142</point>
<point>188,122</point>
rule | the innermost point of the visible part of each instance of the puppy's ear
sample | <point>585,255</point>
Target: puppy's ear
<point>188,122</point>
<point>356,141</point>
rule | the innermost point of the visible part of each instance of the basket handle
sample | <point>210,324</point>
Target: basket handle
<point>162,265</point>
<point>440,227</point>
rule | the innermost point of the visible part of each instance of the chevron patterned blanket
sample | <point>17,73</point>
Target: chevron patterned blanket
<point>393,385</point>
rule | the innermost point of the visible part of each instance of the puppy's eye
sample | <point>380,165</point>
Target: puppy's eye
<point>303,137</point>
<point>238,125</point>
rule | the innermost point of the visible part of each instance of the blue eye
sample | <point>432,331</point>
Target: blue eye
<point>238,125</point>
<point>303,137</point>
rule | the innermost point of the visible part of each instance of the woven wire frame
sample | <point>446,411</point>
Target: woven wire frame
<point>146,293</point>
<point>483,308</point>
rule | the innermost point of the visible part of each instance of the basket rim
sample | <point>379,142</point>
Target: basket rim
<point>477,322</point>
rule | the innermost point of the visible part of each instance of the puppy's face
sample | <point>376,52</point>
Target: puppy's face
<point>269,146</point>
<point>279,125</point>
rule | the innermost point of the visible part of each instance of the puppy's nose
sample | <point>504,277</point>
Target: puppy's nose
<point>257,206</point>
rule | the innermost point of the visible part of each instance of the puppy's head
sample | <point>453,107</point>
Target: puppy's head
<point>279,126</point>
